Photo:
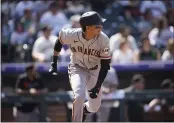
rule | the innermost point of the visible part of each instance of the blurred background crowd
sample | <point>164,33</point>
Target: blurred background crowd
<point>138,31</point>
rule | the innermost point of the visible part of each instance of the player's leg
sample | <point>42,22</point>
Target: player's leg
<point>78,84</point>
<point>93,105</point>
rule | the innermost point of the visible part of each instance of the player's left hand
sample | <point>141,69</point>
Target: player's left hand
<point>93,93</point>
<point>53,69</point>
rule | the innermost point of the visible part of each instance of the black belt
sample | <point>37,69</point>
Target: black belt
<point>94,68</point>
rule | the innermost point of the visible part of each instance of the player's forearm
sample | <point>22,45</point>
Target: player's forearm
<point>102,75</point>
<point>57,49</point>
<point>105,66</point>
<point>55,56</point>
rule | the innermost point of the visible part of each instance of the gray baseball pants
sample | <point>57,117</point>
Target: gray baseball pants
<point>82,80</point>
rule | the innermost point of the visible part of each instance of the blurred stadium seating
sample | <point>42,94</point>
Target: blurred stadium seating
<point>15,56</point>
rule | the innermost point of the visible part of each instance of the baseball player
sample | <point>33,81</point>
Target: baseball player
<point>90,62</point>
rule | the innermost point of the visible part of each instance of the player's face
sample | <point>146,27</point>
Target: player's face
<point>95,29</point>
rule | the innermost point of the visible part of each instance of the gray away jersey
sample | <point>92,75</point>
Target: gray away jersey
<point>85,53</point>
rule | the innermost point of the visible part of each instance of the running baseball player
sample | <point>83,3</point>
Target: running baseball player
<point>90,62</point>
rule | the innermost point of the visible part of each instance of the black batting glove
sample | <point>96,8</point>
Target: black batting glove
<point>93,93</point>
<point>53,69</point>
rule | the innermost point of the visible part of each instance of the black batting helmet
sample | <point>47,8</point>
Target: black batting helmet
<point>91,18</point>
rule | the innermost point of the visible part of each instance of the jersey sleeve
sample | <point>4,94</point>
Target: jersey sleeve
<point>105,49</point>
<point>66,36</point>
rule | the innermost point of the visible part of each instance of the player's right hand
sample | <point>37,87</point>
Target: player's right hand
<point>53,69</point>
<point>93,93</point>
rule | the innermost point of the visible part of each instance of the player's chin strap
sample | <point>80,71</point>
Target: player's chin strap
<point>105,66</point>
